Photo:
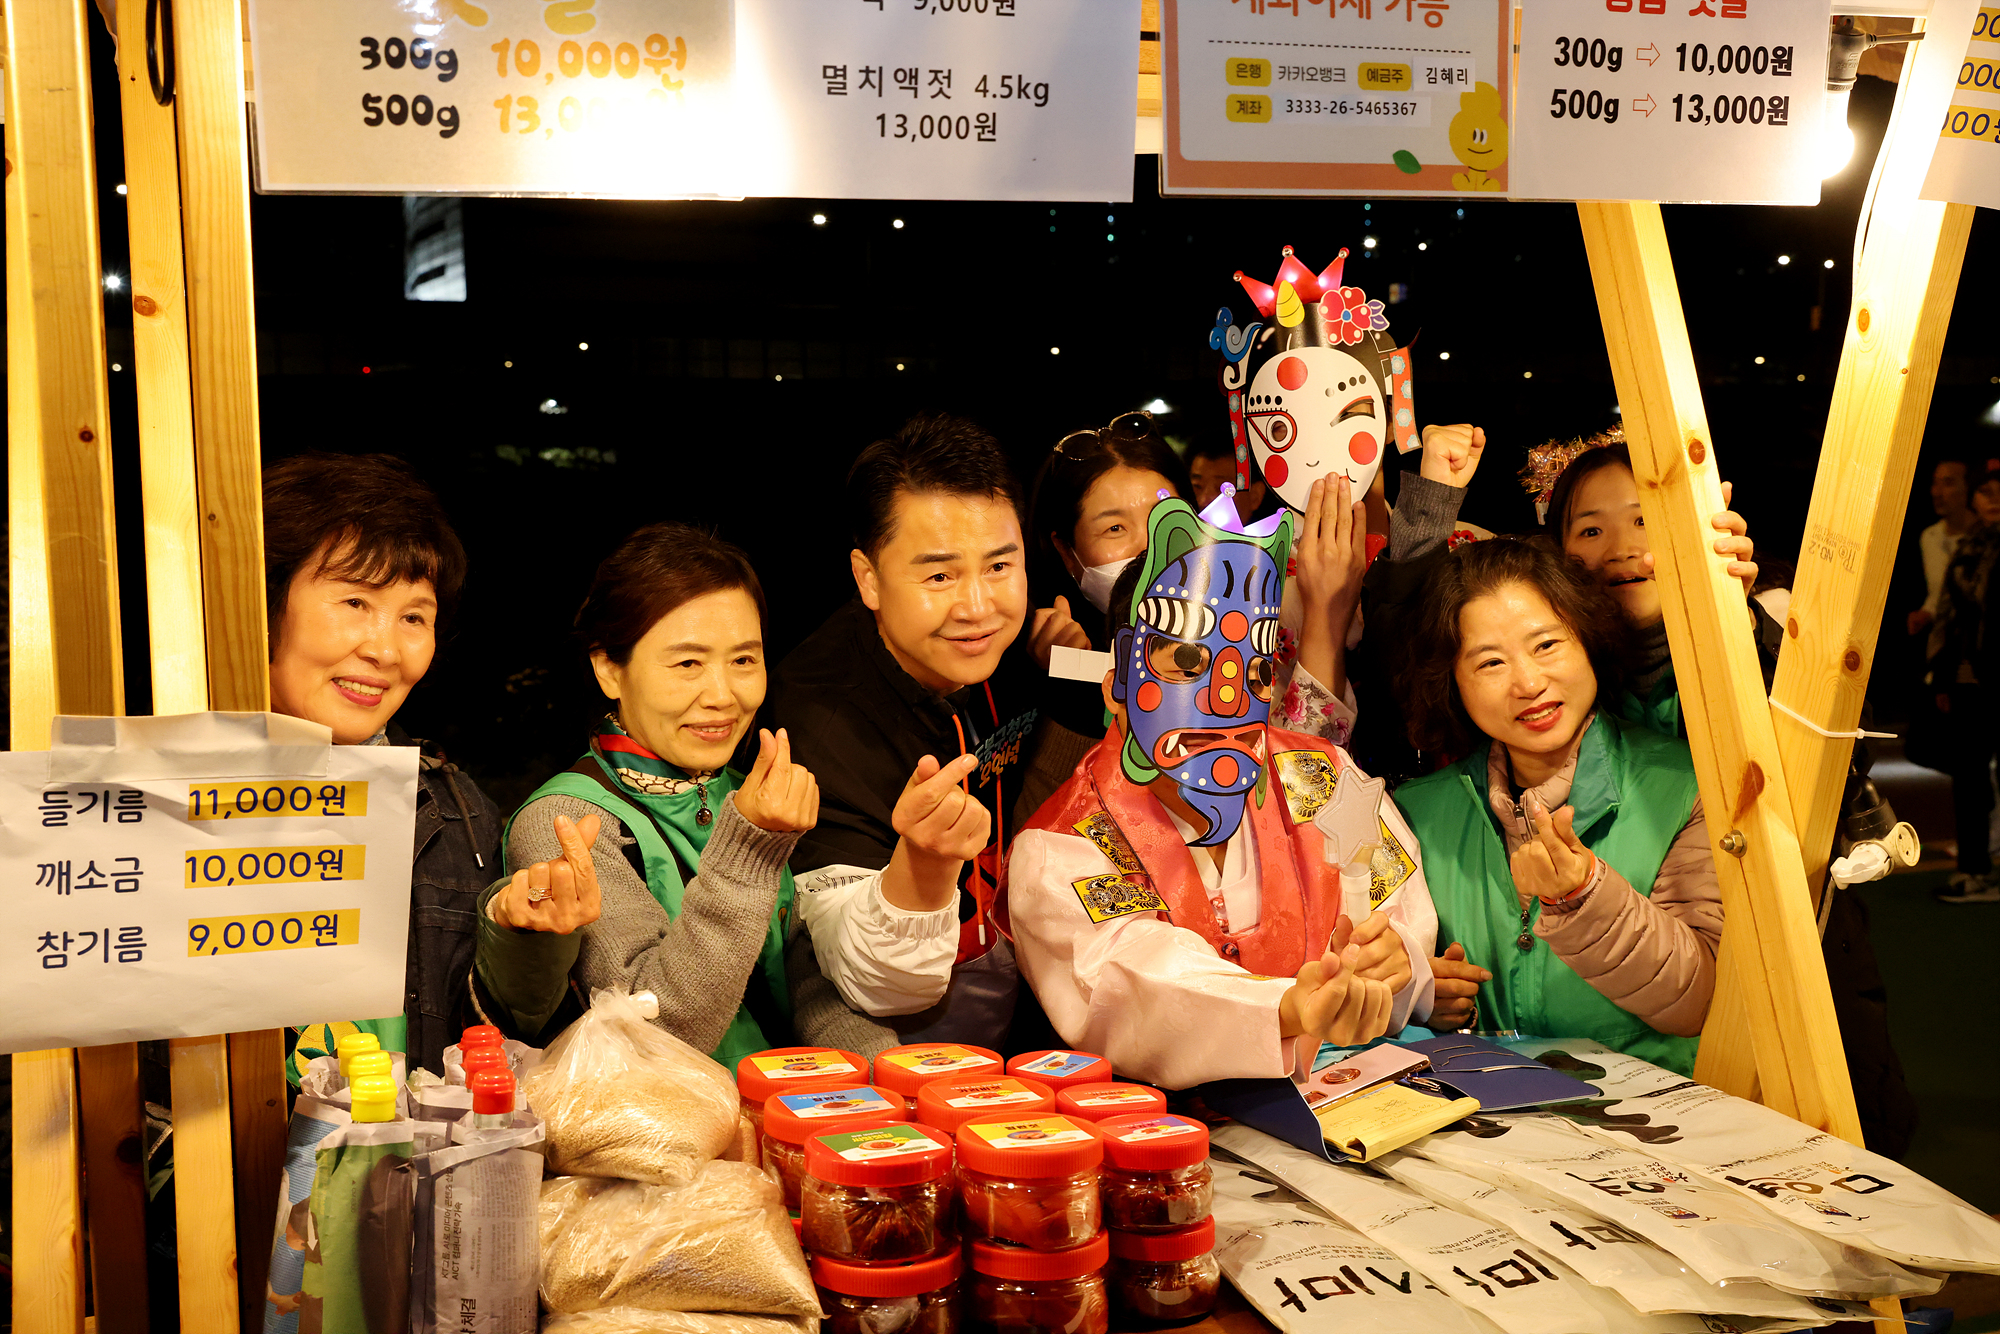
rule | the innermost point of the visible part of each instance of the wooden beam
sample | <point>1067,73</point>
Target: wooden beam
<point>48,1232</point>
<point>215,221</point>
<point>113,1118</point>
<point>204,1192</point>
<point>1770,934</point>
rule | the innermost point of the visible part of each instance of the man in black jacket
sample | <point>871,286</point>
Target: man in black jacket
<point>916,686</point>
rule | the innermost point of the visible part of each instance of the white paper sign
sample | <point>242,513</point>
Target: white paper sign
<point>591,97</point>
<point>939,99</point>
<point>1718,101</point>
<point>1335,97</point>
<point>1966,166</point>
<point>172,898</point>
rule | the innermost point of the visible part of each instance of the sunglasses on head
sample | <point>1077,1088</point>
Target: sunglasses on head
<point>1076,445</point>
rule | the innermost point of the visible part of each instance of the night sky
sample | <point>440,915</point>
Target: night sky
<point>693,311</point>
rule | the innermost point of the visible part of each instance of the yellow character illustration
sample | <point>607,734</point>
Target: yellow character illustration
<point>1479,138</point>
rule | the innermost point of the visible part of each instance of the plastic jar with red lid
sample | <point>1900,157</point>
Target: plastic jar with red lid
<point>1095,1102</point>
<point>1061,1069</point>
<point>1039,1292</point>
<point>1031,1180</point>
<point>783,1069</point>
<point>1165,1277</point>
<point>919,1298</point>
<point>907,1069</point>
<point>950,1103</point>
<point>790,1119</point>
<point>879,1194</point>
<point>1156,1176</point>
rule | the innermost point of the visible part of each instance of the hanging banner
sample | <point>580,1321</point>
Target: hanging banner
<point>1966,166</point>
<point>1716,101</point>
<point>939,99</point>
<point>586,97</point>
<point>207,873</point>
<point>1336,97</point>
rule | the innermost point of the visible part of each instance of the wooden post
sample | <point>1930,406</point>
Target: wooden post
<point>215,221</point>
<point>1770,938</point>
<point>60,451</point>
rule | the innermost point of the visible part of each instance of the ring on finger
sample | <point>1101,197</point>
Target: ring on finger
<point>538,894</point>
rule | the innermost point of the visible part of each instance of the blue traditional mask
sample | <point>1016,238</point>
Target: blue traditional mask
<point>1196,669</point>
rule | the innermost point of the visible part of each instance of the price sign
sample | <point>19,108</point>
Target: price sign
<point>1720,101</point>
<point>1966,167</point>
<point>159,891</point>
<point>588,97</point>
<point>939,99</point>
<point>1335,97</point>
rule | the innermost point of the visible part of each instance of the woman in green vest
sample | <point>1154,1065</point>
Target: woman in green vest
<point>648,865</point>
<point>1566,852</point>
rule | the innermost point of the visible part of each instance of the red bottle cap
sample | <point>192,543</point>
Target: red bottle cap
<point>1061,1069</point>
<point>1095,1102</point>
<point>473,1059</point>
<point>950,1103</point>
<point>893,1153</point>
<point>480,1035</point>
<point>907,1069</point>
<point>492,1091</point>
<point>782,1069</point>
<point>1187,1243</point>
<point>797,1115</point>
<point>1153,1143</point>
<point>1032,1146</point>
<point>1003,1261</point>
<point>910,1280</point>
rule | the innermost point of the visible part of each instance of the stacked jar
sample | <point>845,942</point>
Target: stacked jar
<point>1060,1069</point>
<point>1028,1187</point>
<point>786,1069</point>
<point>1098,1102</point>
<point>908,1069</point>
<point>790,1119</point>
<point>950,1103</point>
<point>1158,1193</point>
<point>878,1219</point>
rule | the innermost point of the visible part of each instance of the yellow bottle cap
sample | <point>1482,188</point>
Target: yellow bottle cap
<point>364,1063</point>
<point>352,1045</point>
<point>374,1098</point>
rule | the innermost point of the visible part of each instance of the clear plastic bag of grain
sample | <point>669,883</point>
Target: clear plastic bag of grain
<point>722,1242</point>
<point>632,1320</point>
<point>623,1098</point>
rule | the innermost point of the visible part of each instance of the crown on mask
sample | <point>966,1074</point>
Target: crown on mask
<point>1315,306</point>
<point>1222,513</point>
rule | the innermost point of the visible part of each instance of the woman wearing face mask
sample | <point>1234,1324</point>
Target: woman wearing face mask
<point>1567,851</point>
<point>649,865</point>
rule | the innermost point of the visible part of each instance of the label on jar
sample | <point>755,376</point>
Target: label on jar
<point>937,1060</point>
<point>998,1093</point>
<point>1060,1064</point>
<point>861,1146</point>
<point>836,1102</point>
<point>1160,1127</point>
<point>804,1065</point>
<point>1033,1134</point>
<point>1115,1098</point>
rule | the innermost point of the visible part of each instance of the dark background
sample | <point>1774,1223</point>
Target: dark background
<point>693,312</point>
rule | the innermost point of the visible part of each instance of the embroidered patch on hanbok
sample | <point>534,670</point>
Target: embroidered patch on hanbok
<point>1102,830</point>
<point>1107,896</point>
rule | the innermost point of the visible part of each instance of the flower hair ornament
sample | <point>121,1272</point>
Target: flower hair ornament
<point>1317,387</point>
<point>1548,461</point>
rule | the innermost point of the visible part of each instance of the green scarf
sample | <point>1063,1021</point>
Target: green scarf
<point>681,808</point>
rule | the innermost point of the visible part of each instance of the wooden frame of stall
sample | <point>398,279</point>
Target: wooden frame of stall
<point>1770,780</point>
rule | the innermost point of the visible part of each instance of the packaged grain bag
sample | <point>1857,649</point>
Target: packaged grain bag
<point>1811,1179</point>
<point>622,1098</point>
<point>312,1121</point>
<point>632,1320</point>
<point>1711,1229</point>
<point>721,1242</point>
<point>478,1241</point>
<point>1487,1269</point>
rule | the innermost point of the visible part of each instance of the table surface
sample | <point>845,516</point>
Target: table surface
<point>1233,1314</point>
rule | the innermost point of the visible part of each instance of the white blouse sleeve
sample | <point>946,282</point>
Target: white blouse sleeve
<point>885,960</point>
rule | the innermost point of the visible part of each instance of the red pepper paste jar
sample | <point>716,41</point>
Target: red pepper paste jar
<point>1156,1176</point>
<point>785,1069</point>
<point>880,1194</point>
<point>1095,1102</point>
<point>907,1069</point>
<point>950,1103</point>
<point>1031,1180</point>
<point>790,1119</point>
<point>1039,1292</point>
<point>1165,1277</point>
<point>920,1298</point>
<point>1061,1069</point>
